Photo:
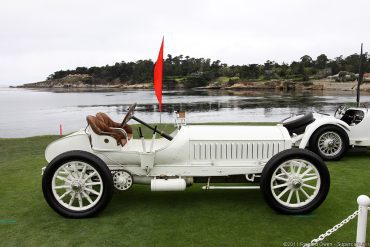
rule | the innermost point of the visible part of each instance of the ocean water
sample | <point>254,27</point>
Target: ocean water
<point>26,112</point>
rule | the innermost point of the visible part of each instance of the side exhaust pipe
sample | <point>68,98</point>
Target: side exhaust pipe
<point>172,184</point>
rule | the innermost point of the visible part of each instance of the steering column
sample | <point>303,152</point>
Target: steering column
<point>168,137</point>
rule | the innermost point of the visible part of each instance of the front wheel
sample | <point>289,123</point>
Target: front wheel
<point>329,142</point>
<point>295,181</point>
<point>77,184</point>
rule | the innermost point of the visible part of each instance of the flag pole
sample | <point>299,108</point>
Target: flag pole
<point>360,77</point>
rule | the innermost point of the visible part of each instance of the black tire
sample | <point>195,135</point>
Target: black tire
<point>299,154</point>
<point>298,122</point>
<point>314,142</point>
<point>94,162</point>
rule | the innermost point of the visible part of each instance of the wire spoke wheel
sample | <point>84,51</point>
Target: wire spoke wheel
<point>295,183</point>
<point>330,143</point>
<point>77,186</point>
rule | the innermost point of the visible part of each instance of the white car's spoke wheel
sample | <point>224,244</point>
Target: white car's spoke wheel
<point>77,184</point>
<point>329,142</point>
<point>295,181</point>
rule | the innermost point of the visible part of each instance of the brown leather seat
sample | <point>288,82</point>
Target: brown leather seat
<point>107,120</point>
<point>100,128</point>
<point>110,123</point>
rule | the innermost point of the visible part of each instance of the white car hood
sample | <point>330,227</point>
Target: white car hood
<point>252,133</point>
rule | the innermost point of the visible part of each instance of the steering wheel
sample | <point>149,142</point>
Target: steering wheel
<point>341,110</point>
<point>129,115</point>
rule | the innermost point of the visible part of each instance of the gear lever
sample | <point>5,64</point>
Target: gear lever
<point>153,138</point>
<point>142,139</point>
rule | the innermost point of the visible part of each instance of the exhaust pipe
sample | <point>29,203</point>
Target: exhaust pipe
<point>173,184</point>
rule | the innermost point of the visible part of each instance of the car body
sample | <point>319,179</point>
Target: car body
<point>85,165</point>
<point>196,150</point>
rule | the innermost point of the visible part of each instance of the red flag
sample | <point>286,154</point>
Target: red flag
<point>158,76</point>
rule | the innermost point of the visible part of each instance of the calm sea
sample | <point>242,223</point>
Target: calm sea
<point>25,112</point>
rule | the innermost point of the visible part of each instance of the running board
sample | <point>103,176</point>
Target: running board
<point>230,187</point>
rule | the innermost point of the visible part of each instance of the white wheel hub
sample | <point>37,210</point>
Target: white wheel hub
<point>295,183</point>
<point>77,186</point>
<point>122,180</point>
<point>330,143</point>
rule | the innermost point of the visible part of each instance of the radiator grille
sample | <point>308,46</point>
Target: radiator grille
<point>202,150</point>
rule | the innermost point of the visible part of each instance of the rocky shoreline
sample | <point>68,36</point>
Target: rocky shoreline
<point>326,85</point>
<point>83,82</point>
<point>86,86</point>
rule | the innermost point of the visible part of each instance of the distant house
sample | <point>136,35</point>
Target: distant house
<point>366,77</point>
<point>343,76</point>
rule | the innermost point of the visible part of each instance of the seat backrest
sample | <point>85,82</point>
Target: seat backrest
<point>100,128</point>
<point>110,123</point>
<point>107,120</point>
<point>96,125</point>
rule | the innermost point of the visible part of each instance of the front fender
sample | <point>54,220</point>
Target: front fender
<point>76,141</point>
<point>318,123</point>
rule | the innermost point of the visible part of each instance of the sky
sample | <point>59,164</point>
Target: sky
<point>39,37</point>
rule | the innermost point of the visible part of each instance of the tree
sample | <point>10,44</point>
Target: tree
<point>334,67</point>
<point>295,68</point>
<point>283,70</point>
<point>352,63</point>
<point>321,61</point>
<point>307,61</point>
<point>269,65</point>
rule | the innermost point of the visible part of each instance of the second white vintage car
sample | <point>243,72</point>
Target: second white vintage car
<point>331,136</point>
<point>85,166</point>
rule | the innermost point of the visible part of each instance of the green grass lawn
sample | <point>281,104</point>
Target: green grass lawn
<point>194,217</point>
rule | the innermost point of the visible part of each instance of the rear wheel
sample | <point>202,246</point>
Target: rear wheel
<point>295,181</point>
<point>77,184</point>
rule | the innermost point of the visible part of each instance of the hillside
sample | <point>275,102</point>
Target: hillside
<point>187,72</point>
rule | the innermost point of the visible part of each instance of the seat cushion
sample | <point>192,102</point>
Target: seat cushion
<point>100,128</point>
<point>112,124</point>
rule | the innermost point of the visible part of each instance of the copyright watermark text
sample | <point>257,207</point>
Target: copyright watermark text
<point>326,244</point>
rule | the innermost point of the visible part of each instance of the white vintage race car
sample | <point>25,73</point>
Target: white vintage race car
<point>85,166</point>
<point>331,136</point>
